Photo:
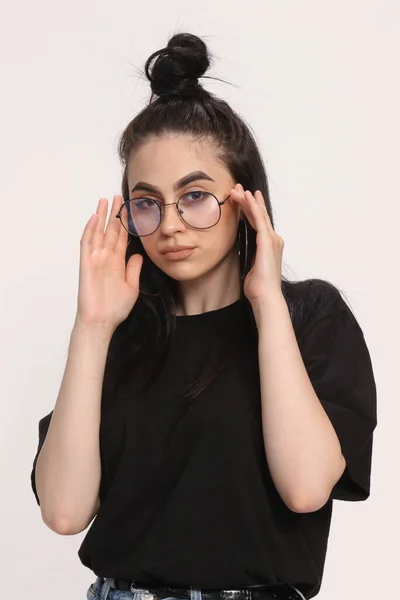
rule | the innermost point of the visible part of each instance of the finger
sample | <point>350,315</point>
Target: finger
<point>240,198</point>
<point>259,197</point>
<point>260,200</point>
<point>257,212</point>
<point>98,234</point>
<point>249,200</point>
<point>133,270</point>
<point>122,240</point>
<point>88,233</point>
<point>114,225</point>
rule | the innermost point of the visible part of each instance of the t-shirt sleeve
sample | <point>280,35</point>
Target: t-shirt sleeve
<point>339,366</point>
<point>43,428</point>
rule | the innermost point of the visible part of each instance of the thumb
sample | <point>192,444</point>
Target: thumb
<point>133,269</point>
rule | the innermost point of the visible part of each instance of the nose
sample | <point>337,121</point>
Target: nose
<point>171,221</point>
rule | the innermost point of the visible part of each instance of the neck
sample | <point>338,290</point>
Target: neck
<point>213,290</point>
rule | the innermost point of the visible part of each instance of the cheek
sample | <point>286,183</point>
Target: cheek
<point>222,238</point>
<point>149,247</point>
<point>228,226</point>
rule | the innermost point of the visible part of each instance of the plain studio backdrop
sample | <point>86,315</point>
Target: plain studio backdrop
<point>318,83</point>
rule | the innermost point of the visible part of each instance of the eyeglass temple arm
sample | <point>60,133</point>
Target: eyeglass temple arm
<point>223,201</point>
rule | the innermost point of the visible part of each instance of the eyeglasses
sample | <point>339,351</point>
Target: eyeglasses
<point>143,216</point>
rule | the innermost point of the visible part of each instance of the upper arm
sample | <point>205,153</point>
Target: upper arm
<point>43,428</point>
<point>339,366</point>
<point>68,528</point>
<point>61,528</point>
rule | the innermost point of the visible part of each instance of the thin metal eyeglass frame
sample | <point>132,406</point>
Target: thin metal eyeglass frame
<point>161,204</point>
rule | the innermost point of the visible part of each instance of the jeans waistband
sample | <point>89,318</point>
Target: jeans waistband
<point>280,591</point>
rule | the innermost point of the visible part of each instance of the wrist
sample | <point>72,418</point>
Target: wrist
<point>264,307</point>
<point>94,331</point>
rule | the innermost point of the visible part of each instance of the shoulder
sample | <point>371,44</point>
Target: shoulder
<point>313,300</point>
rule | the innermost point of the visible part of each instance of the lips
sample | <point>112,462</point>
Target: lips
<point>176,249</point>
<point>179,253</point>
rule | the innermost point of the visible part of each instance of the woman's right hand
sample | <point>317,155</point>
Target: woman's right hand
<point>107,290</point>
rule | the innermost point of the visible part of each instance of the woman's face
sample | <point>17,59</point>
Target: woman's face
<point>161,163</point>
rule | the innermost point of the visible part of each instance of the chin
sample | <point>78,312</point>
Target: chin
<point>183,273</point>
<point>181,270</point>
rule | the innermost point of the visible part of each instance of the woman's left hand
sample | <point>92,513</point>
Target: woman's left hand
<point>264,278</point>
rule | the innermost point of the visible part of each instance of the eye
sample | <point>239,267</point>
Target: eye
<point>144,203</point>
<point>194,197</point>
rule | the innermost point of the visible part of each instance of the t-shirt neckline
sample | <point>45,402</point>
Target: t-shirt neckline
<point>217,312</point>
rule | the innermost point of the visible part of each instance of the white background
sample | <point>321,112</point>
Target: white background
<point>319,83</point>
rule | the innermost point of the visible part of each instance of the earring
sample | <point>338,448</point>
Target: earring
<point>243,270</point>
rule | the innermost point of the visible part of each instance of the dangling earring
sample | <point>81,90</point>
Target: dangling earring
<point>243,270</point>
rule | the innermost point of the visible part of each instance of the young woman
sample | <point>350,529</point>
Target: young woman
<point>211,410</point>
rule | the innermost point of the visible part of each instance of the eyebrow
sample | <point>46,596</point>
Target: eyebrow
<point>189,178</point>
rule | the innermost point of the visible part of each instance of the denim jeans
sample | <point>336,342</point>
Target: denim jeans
<point>102,589</point>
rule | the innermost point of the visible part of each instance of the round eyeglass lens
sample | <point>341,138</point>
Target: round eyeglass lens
<point>199,209</point>
<point>141,216</point>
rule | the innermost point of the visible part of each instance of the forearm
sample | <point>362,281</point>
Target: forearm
<point>302,449</point>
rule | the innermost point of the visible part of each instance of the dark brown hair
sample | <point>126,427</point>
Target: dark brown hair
<point>179,104</point>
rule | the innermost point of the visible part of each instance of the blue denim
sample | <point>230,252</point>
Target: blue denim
<point>102,589</point>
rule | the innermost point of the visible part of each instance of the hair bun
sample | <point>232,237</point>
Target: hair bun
<point>178,67</point>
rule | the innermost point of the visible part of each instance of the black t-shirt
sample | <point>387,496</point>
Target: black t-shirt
<point>186,495</point>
